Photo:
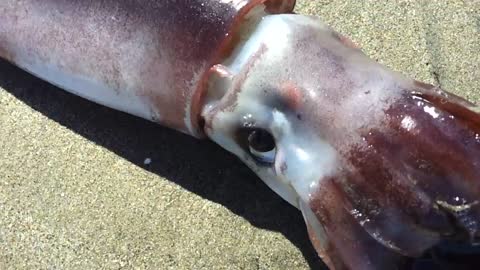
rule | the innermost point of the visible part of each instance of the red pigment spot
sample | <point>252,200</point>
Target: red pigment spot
<point>291,94</point>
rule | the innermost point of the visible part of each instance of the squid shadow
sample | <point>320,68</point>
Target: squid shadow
<point>199,166</point>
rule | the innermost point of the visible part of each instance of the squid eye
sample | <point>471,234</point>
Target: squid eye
<point>261,145</point>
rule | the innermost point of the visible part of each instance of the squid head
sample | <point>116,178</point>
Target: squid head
<point>382,167</point>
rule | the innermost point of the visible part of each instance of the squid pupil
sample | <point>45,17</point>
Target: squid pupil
<point>261,141</point>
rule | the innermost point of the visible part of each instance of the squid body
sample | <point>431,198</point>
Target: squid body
<point>382,167</point>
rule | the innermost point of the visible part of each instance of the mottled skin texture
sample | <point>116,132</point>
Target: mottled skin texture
<point>156,50</point>
<point>406,154</point>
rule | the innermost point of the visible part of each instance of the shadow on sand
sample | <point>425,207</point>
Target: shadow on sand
<point>198,166</point>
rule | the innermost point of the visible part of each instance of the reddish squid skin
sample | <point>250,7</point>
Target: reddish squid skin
<point>159,50</point>
<point>382,166</point>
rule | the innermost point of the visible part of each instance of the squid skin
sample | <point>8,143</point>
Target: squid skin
<point>143,57</point>
<point>383,167</point>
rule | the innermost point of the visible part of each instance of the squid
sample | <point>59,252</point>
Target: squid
<point>383,168</point>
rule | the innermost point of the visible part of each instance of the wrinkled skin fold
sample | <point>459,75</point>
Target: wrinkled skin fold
<point>383,167</point>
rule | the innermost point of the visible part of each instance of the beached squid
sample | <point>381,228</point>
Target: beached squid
<point>382,167</point>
